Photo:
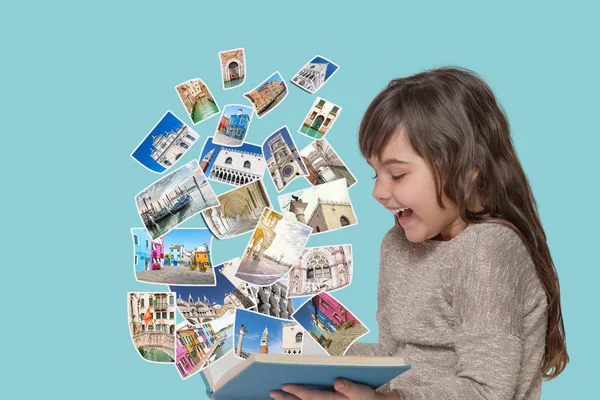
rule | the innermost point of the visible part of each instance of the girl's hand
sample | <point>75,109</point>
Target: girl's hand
<point>344,390</point>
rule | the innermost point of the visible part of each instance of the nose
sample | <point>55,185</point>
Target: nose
<point>381,191</point>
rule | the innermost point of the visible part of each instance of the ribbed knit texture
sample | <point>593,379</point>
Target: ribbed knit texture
<point>469,315</point>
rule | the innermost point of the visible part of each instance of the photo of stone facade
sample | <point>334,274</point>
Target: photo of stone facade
<point>324,165</point>
<point>320,118</point>
<point>233,68</point>
<point>239,212</point>
<point>198,100</point>
<point>321,269</point>
<point>314,74</point>
<point>324,208</point>
<point>283,160</point>
<point>272,300</point>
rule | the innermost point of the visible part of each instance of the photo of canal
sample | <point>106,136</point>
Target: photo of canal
<point>198,100</point>
<point>204,108</point>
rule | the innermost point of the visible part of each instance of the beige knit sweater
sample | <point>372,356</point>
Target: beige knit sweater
<point>469,315</point>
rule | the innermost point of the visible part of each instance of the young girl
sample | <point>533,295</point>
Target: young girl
<point>468,293</point>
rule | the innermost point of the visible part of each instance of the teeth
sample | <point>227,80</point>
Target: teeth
<point>397,210</point>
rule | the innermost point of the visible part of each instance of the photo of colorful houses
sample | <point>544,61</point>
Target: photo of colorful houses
<point>324,208</point>
<point>262,334</point>
<point>151,318</point>
<point>314,74</point>
<point>201,304</point>
<point>233,125</point>
<point>331,324</point>
<point>320,118</point>
<point>274,247</point>
<point>233,68</point>
<point>324,165</point>
<point>181,257</point>
<point>198,346</point>
<point>268,94</point>
<point>166,143</point>
<point>239,211</point>
<point>175,198</point>
<point>197,100</point>
<point>232,165</point>
<point>283,161</point>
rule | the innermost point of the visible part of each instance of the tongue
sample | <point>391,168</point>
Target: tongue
<point>406,213</point>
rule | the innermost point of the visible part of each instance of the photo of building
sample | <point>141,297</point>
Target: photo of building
<point>324,208</point>
<point>320,118</point>
<point>262,334</point>
<point>239,211</point>
<point>331,324</point>
<point>233,125</point>
<point>267,95</point>
<point>234,166</point>
<point>321,269</point>
<point>314,74</point>
<point>166,143</point>
<point>152,325</point>
<point>197,99</point>
<point>229,270</point>
<point>274,247</point>
<point>198,346</point>
<point>273,300</point>
<point>175,198</point>
<point>233,68</point>
<point>324,165</point>
<point>283,160</point>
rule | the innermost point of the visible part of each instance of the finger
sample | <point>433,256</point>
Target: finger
<point>281,395</point>
<point>304,393</point>
<point>353,390</point>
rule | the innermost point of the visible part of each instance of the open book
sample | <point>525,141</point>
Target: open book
<point>256,376</point>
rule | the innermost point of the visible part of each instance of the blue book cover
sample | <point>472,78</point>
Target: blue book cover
<point>258,375</point>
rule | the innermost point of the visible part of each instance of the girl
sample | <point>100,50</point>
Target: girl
<point>468,293</point>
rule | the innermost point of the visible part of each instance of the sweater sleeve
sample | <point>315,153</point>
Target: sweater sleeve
<point>487,303</point>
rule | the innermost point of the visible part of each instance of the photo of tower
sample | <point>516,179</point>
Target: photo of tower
<point>324,164</point>
<point>283,160</point>
<point>233,68</point>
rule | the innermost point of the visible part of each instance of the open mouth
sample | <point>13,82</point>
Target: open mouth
<point>403,213</point>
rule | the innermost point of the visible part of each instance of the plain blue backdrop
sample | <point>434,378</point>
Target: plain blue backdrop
<point>82,83</point>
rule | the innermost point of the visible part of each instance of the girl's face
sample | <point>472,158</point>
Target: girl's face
<point>404,180</point>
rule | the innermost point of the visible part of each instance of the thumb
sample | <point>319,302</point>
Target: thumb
<point>352,390</point>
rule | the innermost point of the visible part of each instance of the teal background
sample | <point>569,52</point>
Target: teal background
<point>82,83</point>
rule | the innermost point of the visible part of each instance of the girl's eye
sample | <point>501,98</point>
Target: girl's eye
<point>397,177</point>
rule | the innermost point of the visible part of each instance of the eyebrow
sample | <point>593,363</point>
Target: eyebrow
<point>393,161</point>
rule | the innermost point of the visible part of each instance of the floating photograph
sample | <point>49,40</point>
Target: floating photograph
<point>324,165</point>
<point>233,125</point>
<point>275,246</point>
<point>239,211</point>
<point>233,68</point>
<point>267,95</point>
<point>314,74</point>
<point>201,304</point>
<point>168,140</point>
<point>151,318</point>
<point>181,257</point>
<point>329,323</point>
<point>283,160</point>
<point>174,199</point>
<point>229,270</point>
<point>324,208</point>
<point>197,100</point>
<point>321,269</point>
<point>259,333</point>
<point>273,300</point>
<point>320,119</point>
<point>234,166</point>
<point>198,346</point>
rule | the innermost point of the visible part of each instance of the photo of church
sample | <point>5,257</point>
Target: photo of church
<point>274,247</point>
<point>262,334</point>
<point>313,75</point>
<point>233,68</point>
<point>324,208</point>
<point>283,160</point>
<point>233,125</point>
<point>324,164</point>
<point>329,323</point>
<point>321,269</point>
<point>239,211</point>
<point>165,144</point>
<point>234,166</point>
<point>320,118</point>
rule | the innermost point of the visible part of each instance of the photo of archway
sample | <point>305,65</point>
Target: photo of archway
<point>197,100</point>
<point>233,68</point>
<point>233,125</point>
<point>320,118</point>
<point>239,211</point>
<point>324,165</point>
<point>321,269</point>
<point>234,166</point>
<point>324,208</point>
<point>329,323</point>
<point>283,160</point>
<point>268,95</point>
<point>313,75</point>
<point>273,249</point>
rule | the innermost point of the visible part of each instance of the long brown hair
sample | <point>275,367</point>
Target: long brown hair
<point>453,121</point>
